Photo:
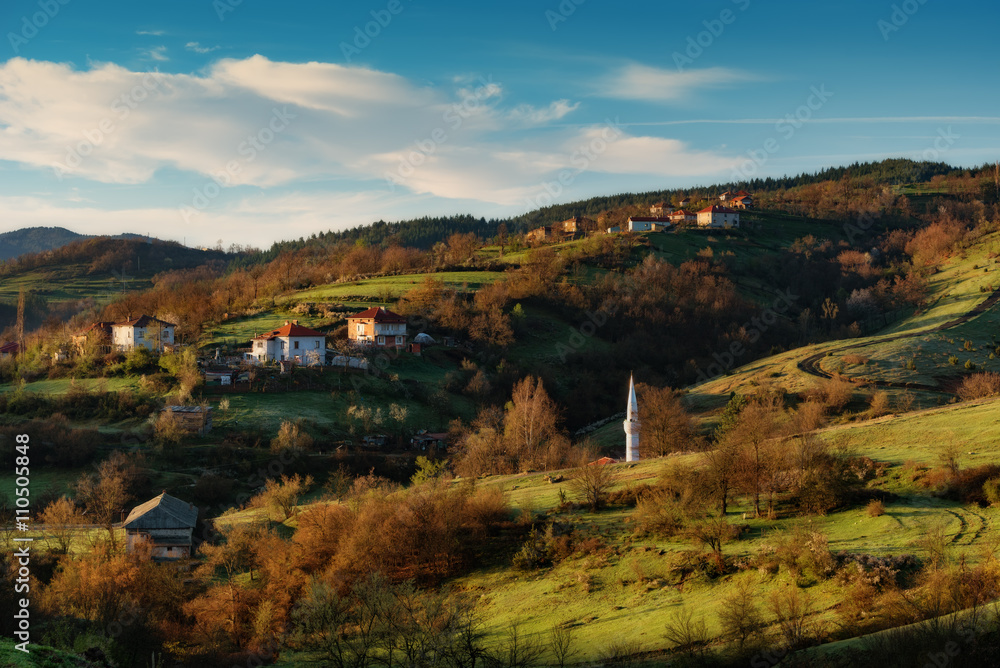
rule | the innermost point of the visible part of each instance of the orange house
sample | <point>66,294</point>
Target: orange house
<point>377,327</point>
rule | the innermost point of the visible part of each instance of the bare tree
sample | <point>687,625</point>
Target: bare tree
<point>592,482</point>
<point>561,644</point>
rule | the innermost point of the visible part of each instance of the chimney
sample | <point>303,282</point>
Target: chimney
<point>286,322</point>
<point>295,322</point>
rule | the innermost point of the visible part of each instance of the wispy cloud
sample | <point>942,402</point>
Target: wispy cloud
<point>528,114</point>
<point>652,84</point>
<point>158,53</point>
<point>155,33</point>
<point>198,48</point>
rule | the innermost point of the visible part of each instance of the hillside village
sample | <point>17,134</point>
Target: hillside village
<point>761,436</point>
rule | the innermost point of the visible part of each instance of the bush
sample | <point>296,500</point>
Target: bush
<point>991,490</point>
<point>970,365</point>
<point>879,403</point>
<point>953,360</point>
<point>979,385</point>
<point>875,508</point>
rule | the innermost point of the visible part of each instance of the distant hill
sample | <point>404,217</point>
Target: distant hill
<point>35,240</point>
<point>39,239</point>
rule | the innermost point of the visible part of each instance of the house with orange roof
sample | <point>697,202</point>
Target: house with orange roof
<point>682,216</point>
<point>718,217</point>
<point>290,343</point>
<point>378,327</point>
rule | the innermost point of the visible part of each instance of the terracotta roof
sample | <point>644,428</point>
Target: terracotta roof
<point>603,461</point>
<point>742,193</point>
<point>104,327</point>
<point>290,329</point>
<point>737,199</point>
<point>162,512</point>
<point>144,321</point>
<point>717,209</point>
<point>379,314</point>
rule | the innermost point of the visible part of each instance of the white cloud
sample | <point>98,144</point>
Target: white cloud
<point>158,53</point>
<point>535,116</point>
<point>652,84</point>
<point>155,33</point>
<point>198,48</point>
<point>285,125</point>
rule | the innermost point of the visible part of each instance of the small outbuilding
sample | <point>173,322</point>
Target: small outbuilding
<point>166,523</point>
<point>194,419</point>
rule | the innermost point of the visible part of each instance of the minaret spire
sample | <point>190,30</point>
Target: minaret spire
<point>631,424</point>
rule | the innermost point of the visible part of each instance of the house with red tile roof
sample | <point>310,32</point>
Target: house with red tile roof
<point>719,217</point>
<point>290,343</point>
<point>377,327</point>
<point>743,202</point>
<point>682,216</point>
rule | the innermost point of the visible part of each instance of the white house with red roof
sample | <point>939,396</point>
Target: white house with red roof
<point>718,216</point>
<point>377,327</point>
<point>290,342</point>
<point>743,202</point>
<point>143,332</point>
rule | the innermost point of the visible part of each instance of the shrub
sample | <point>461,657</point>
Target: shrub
<point>879,403</point>
<point>953,360</point>
<point>991,490</point>
<point>875,508</point>
<point>970,365</point>
<point>979,385</point>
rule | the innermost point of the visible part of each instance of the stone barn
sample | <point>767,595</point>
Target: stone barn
<point>192,419</point>
<point>166,522</point>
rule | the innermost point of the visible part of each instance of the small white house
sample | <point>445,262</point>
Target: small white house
<point>291,342</point>
<point>145,331</point>
<point>648,223</point>
<point>718,217</point>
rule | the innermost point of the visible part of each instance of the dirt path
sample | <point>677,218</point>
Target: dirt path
<point>810,364</point>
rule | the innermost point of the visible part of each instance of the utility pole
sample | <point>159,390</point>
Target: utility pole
<point>20,322</point>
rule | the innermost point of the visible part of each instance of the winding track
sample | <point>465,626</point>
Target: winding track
<point>810,364</point>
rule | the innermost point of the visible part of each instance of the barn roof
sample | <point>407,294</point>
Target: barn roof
<point>162,512</point>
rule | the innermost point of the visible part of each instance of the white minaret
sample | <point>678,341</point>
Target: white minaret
<point>631,425</point>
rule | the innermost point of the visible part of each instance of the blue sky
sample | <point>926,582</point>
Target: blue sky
<point>251,122</point>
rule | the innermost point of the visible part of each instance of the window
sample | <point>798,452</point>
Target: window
<point>317,345</point>
<point>139,335</point>
<point>361,328</point>
<point>296,345</point>
<point>399,340</point>
<point>381,340</point>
